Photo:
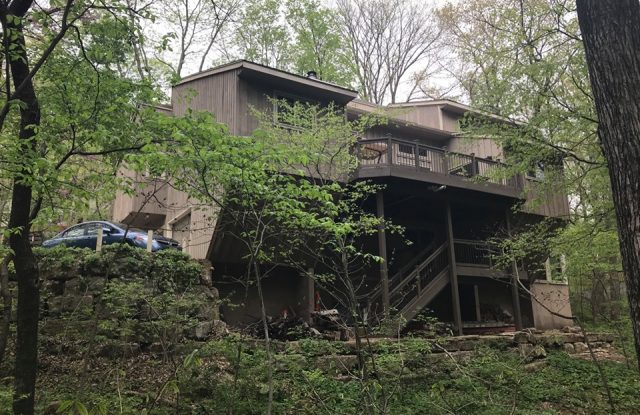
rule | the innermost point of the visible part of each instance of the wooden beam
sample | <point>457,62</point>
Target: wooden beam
<point>453,274</point>
<point>515,284</point>
<point>476,295</point>
<point>310,295</point>
<point>382,252</point>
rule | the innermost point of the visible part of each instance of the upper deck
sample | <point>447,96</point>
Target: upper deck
<point>411,160</point>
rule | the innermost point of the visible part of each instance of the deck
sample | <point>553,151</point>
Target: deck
<point>410,160</point>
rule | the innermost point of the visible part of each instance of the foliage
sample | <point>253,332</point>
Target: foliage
<point>262,37</point>
<point>229,375</point>
<point>169,270</point>
<point>525,62</point>
<point>319,45</point>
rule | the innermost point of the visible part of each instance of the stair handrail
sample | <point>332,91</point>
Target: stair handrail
<point>410,265</point>
<point>412,275</point>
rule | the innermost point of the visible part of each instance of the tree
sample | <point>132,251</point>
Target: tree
<point>388,39</point>
<point>525,62</point>
<point>612,48</point>
<point>261,36</point>
<point>65,110</point>
<point>193,29</point>
<point>318,42</point>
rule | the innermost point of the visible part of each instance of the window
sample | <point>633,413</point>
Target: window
<point>286,113</point>
<point>537,172</point>
<point>92,228</point>
<point>75,232</point>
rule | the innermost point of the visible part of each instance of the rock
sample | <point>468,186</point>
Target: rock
<point>569,348</point>
<point>54,287</point>
<point>63,303</point>
<point>219,328</point>
<point>53,326</point>
<point>59,274</point>
<point>521,337</point>
<point>74,287</point>
<point>580,347</point>
<point>201,331</point>
<point>208,308</point>
<point>531,351</point>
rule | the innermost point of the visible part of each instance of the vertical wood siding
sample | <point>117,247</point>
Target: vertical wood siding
<point>216,94</point>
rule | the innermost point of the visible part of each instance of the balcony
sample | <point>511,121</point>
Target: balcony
<point>406,159</point>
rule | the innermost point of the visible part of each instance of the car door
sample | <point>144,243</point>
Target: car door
<point>90,239</point>
<point>74,236</point>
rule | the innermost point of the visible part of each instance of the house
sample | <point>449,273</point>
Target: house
<point>438,186</point>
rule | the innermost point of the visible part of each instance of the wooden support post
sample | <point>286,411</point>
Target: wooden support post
<point>382,251</point>
<point>515,284</point>
<point>453,274</point>
<point>445,160</point>
<point>476,295</point>
<point>547,269</point>
<point>149,241</point>
<point>474,165</point>
<point>99,240</point>
<point>310,294</point>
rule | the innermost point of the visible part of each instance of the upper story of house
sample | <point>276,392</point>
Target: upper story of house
<point>420,141</point>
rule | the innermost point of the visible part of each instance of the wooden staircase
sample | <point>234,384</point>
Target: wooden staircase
<point>415,285</point>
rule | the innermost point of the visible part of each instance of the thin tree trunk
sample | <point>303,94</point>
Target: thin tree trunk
<point>612,45</point>
<point>267,340</point>
<point>5,293</point>
<point>19,219</point>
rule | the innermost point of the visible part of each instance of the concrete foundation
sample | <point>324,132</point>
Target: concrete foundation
<point>550,303</point>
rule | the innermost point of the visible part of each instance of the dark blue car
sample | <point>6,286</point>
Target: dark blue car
<point>85,235</point>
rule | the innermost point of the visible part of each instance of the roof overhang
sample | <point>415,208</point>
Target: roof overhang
<point>277,78</point>
<point>359,107</point>
<point>454,107</point>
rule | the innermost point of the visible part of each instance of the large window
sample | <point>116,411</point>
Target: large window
<point>289,110</point>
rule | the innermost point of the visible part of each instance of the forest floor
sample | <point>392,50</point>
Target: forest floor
<point>230,376</point>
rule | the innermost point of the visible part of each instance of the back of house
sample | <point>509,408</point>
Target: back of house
<point>445,189</point>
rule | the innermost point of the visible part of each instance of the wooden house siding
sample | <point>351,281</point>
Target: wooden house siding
<point>552,204</point>
<point>393,131</point>
<point>481,147</point>
<point>216,94</point>
<point>425,116</point>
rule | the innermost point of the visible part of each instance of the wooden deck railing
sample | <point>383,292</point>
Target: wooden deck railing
<point>395,152</point>
<point>475,253</point>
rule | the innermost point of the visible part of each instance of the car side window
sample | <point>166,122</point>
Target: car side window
<point>74,232</point>
<point>92,228</point>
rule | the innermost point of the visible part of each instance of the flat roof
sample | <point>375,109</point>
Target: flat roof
<point>358,106</point>
<point>253,69</point>
<point>452,106</point>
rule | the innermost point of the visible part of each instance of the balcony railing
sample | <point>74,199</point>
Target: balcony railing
<point>476,253</point>
<point>395,152</point>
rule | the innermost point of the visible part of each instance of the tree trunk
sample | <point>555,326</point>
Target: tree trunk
<point>612,45</point>
<point>19,219</point>
<point>5,293</point>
